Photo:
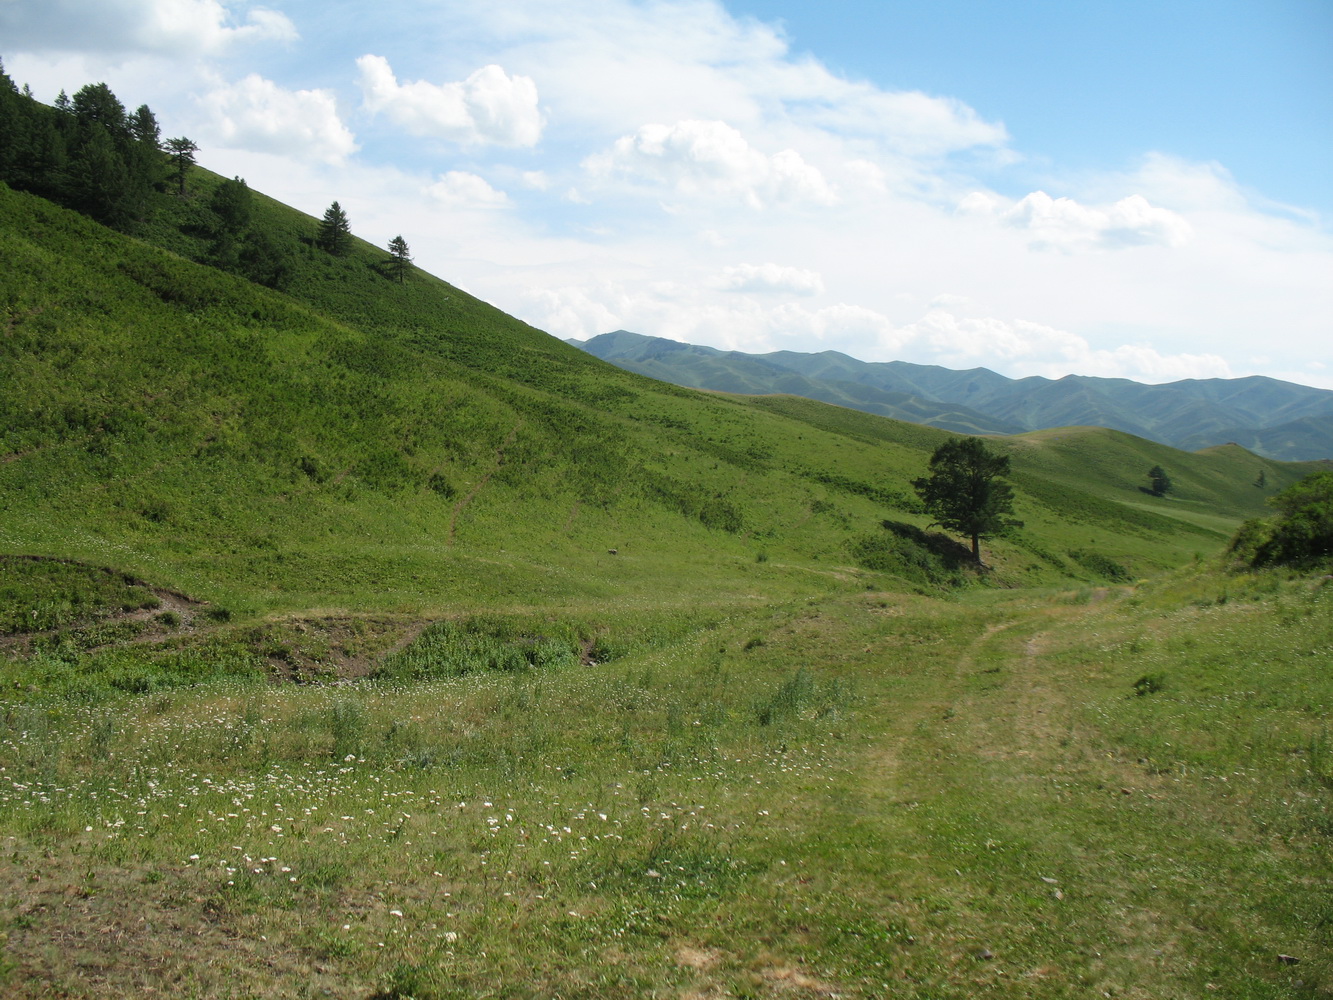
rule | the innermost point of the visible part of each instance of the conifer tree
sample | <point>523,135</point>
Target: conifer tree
<point>100,183</point>
<point>95,104</point>
<point>965,491</point>
<point>335,232</point>
<point>402,257</point>
<point>13,130</point>
<point>1161,482</point>
<point>144,128</point>
<point>111,175</point>
<point>87,153</point>
<point>231,204</point>
<point>181,150</point>
<point>145,149</point>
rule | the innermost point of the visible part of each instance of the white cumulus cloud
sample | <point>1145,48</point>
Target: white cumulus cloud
<point>172,27</point>
<point>769,278</point>
<point>574,312</point>
<point>490,106</point>
<point>1063,223</point>
<point>689,313</point>
<point>712,158</point>
<point>256,114</point>
<point>460,189</point>
<point>964,342</point>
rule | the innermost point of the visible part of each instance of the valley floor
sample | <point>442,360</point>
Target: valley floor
<point>1114,792</point>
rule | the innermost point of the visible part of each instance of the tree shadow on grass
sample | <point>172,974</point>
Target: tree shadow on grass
<point>952,553</point>
<point>925,557</point>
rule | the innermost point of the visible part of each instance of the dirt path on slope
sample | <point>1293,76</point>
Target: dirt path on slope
<point>467,499</point>
<point>1002,707</point>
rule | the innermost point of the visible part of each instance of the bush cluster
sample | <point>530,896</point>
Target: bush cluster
<point>1301,534</point>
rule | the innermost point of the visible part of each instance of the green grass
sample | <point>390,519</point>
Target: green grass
<point>357,444</point>
<point>381,645</point>
<point>865,794</point>
<point>40,594</point>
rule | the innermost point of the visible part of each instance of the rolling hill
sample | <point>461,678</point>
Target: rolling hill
<point>355,442</point>
<point>1278,419</point>
<point>359,640</point>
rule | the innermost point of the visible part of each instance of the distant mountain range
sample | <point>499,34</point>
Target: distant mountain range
<point>1280,420</point>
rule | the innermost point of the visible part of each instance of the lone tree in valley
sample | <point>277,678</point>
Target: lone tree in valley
<point>965,491</point>
<point>1161,482</point>
<point>181,150</point>
<point>402,258</point>
<point>335,232</point>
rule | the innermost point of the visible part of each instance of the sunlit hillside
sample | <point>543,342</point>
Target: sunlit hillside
<point>358,640</point>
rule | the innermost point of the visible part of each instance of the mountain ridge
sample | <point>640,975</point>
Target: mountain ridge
<point>1277,419</point>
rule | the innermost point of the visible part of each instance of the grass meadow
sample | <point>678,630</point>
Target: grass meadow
<point>1120,792</point>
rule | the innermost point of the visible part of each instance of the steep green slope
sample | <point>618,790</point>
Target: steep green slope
<point>163,411</point>
<point>191,427</point>
<point>356,443</point>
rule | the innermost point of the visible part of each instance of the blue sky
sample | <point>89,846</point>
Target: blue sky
<point>1095,84</point>
<point>1126,189</point>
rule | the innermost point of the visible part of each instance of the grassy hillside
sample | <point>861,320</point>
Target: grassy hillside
<point>640,691</point>
<point>360,444</point>
<point>194,427</point>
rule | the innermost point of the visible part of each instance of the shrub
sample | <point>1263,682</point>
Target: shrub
<point>1250,537</point>
<point>439,484</point>
<point>1101,565</point>
<point>1302,532</point>
<point>1150,683</point>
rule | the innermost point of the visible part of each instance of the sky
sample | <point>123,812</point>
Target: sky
<point>1125,188</point>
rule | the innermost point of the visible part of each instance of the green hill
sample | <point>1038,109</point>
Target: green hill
<point>356,443</point>
<point>359,640</point>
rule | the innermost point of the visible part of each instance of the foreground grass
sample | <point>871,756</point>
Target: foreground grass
<point>863,795</point>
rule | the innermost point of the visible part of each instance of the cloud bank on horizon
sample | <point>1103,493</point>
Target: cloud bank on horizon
<point>681,170</point>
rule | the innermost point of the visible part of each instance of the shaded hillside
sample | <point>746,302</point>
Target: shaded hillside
<point>1279,419</point>
<point>1306,436</point>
